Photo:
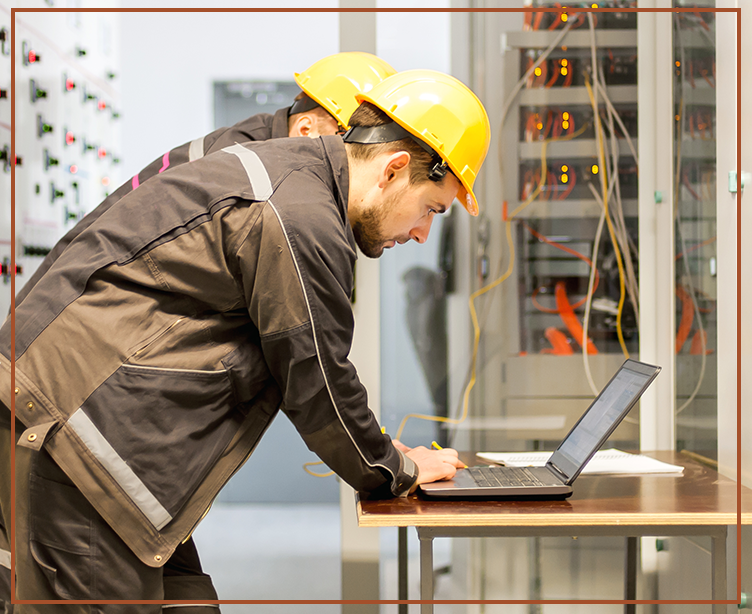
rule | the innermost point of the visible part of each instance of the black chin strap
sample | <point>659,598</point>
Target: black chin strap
<point>369,135</point>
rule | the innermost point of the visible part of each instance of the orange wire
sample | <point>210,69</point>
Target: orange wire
<point>687,318</point>
<point>566,312</point>
<point>570,251</point>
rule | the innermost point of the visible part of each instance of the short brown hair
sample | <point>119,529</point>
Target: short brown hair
<point>368,115</point>
<point>318,111</point>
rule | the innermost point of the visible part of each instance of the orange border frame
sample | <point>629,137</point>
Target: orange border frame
<point>395,10</point>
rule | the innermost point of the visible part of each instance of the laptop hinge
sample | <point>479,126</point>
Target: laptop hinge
<point>560,474</point>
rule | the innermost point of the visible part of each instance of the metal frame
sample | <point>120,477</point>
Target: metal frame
<point>426,535</point>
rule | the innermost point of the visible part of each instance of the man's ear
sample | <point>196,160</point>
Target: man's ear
<point>396,165</point>
<point>302,126</point>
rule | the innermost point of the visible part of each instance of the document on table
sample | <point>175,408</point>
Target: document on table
<point>604,462</point>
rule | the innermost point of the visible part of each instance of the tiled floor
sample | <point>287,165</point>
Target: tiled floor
<point>292,551</point>
<point>273,551</point>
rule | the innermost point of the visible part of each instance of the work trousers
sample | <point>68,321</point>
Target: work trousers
<point>66,551</point>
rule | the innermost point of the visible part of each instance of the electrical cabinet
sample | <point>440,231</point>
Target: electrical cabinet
<point>66,126</point>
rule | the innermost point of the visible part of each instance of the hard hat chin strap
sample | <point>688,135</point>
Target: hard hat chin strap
<point>387,133</point>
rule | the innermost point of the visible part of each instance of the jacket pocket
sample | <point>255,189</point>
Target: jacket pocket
<point>60,539</point>
<point>157,431</point>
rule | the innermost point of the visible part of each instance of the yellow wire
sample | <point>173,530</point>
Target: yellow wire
<point>476,341</point>
<point>313,473</point>
<point>609,223</point>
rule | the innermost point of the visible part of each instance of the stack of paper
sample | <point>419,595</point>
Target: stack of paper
<point>604,461</point>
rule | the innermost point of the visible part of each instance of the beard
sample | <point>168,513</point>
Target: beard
<point>369,227</point>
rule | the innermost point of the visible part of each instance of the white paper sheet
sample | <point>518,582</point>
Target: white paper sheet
<point>604,462</point>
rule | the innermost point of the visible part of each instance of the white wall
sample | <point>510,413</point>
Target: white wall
<point>170,60</point>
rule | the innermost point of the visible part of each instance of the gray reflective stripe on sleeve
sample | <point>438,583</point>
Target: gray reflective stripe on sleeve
<point>118,469</point>
<point>196,150</point>
<point>254,168</point>
<point>5,558</point>
<point>318,351</point>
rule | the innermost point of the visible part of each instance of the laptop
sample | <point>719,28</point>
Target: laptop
<point>555,479</point>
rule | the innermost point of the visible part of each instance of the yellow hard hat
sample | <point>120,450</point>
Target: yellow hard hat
<point>334,81</point>
<point>443,113</point>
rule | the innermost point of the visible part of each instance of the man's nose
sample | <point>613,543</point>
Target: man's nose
<point>420,232</point>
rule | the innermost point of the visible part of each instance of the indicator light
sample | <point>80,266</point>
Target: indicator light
<point>677,118</point>
<point>564,47</point>
<point>594,169</point>
<point>72,169</point>
<point>101,153</point>
<point>101,105</point>
<point>36,92</point>
<point>42,127</point>
<point>564,168</point>
<point>594,6</point>
<point>565,125</point>
<point>4,46</point>
<point>29,55</point>
<point>678,63</point>
<point>69,138</point>
<point>538,71</point>
<point>565,116</point>
<point>565,62</point>
<point>49,160</point>
<point>539,126</point>
<point>564,17</point>
<point>70,85</point>
<point>564,178</point>
<point>564,71</point>
<point>80,52</point>
<point>55,192</point>
<point>105,181</point>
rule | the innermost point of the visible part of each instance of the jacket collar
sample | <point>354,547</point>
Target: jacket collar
<point>336,154</point>
<point>279,124</point>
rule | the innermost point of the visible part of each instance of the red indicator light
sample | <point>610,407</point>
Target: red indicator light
<point>102,152</point>
<point>69,138</point>
<point>33,57</point>
<point>72,169</point>
<point>69,85</point>
<point>105,181</point>
<point>101,105</point>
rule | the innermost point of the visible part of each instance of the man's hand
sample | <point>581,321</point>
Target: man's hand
<point>400,446</point>
<point>434,465</point>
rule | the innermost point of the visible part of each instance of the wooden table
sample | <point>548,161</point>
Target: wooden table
<point>699,502</point>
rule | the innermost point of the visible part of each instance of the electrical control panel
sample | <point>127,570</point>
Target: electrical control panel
<point>66,126</point>
<point>561,158</point>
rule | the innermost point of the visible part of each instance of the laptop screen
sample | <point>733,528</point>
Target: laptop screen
<point>603,416</point>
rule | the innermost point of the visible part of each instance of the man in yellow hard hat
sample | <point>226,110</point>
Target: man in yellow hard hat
<point>151,358</point>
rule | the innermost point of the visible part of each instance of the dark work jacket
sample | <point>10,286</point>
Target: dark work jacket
<point>155,351</point>
<point>260,127</point>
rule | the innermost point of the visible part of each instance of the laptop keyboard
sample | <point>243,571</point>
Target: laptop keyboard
<point>504,476</point>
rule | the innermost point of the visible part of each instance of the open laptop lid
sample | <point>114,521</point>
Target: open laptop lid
<point>601,419</point>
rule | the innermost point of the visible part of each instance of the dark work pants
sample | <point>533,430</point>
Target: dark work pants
<point>65,550</point>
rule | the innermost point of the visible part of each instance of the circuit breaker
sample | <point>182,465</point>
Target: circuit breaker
<point>66,125</point>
